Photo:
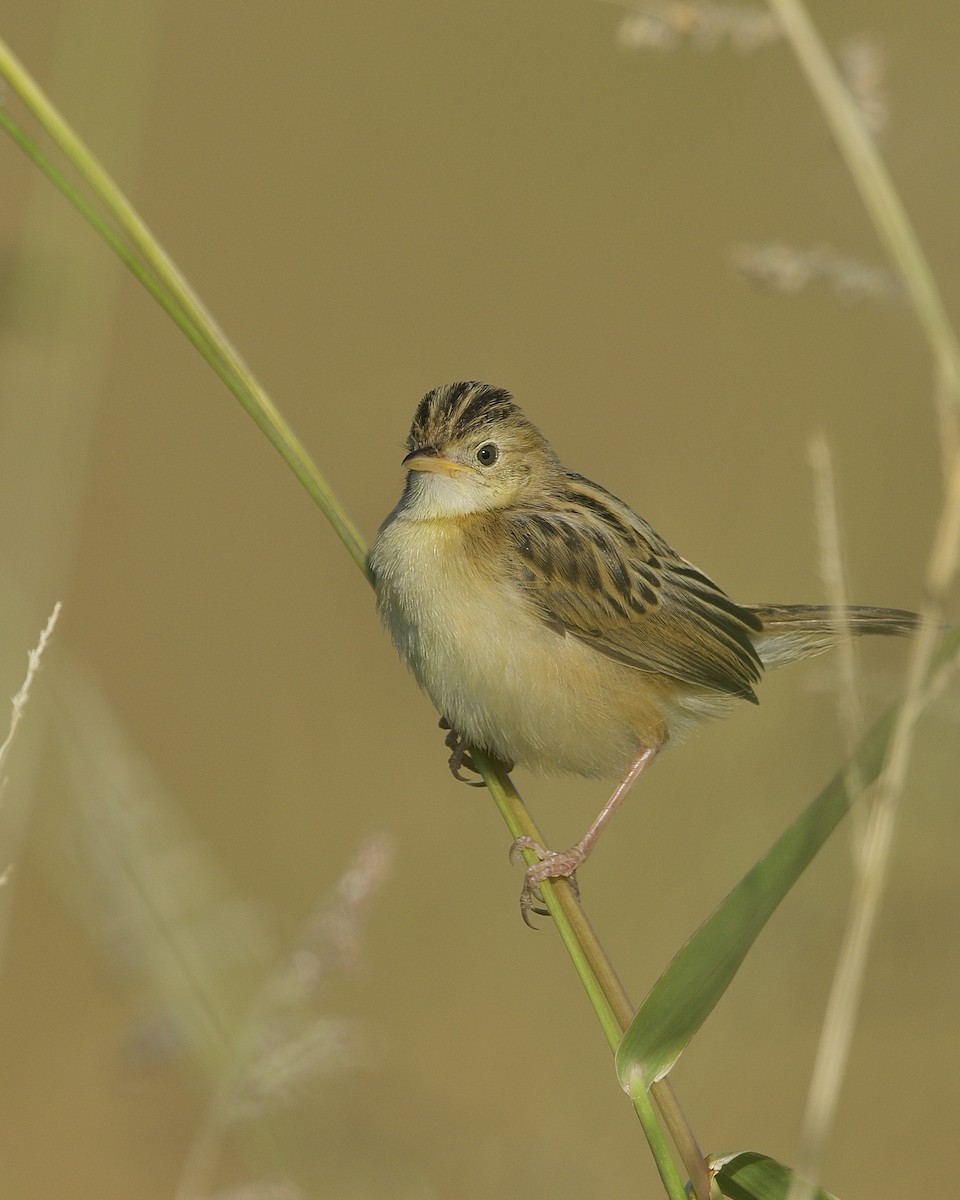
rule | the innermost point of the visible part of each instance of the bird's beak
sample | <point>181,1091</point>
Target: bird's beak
<point>428,459</point>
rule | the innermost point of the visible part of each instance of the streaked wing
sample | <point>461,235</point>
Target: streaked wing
<point>597,571</point>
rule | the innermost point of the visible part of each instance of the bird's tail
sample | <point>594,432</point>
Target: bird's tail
<point>793,631</point>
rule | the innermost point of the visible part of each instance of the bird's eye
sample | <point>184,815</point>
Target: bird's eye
<point>488,454</point>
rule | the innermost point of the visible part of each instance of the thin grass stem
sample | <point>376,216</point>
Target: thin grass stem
<point>895,231</point>
<point>879,196</point>
<point>605,991</point>
<point>234,371</point>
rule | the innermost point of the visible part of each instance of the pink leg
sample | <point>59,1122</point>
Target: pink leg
<point>562,864</point>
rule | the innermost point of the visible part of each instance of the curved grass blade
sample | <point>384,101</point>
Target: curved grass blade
<point>685,994</point>
<point>160,275</point>
<point>752,1176</point>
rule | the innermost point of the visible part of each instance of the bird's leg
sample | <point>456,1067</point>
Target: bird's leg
<point>563,864</point>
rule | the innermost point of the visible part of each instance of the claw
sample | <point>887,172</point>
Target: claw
<point>526,843</point>
<point>527,907</point>
<point>459,755</point>
<point>553,864</point>
<point>459,749</point>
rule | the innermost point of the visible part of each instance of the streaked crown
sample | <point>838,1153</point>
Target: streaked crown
<point>456,411</point>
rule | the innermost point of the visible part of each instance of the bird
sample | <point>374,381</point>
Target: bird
<point>550,625</point>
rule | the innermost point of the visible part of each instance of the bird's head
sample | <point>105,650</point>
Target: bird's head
<point>472,450</point>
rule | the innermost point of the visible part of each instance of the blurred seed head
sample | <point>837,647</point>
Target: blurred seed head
<point>706,25</point>
<point>863,65</point>
<point>779,267</point>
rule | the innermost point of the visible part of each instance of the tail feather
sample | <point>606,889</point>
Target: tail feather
<point>794,631</point>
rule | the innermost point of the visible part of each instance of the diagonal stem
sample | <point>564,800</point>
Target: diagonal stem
<point>876,189</point>
<point>606,992</point>
<point>235,372</point>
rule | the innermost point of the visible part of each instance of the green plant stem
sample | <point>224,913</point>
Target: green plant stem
<point>876,189</point>
<point>605,991</point>
<point>102,227</point>
<point>648,1122</point>
<point>235,372</point>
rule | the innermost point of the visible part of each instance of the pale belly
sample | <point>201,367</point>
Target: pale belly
<point>506,680</point>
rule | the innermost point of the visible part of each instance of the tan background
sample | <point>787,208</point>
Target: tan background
<point>373,199</point>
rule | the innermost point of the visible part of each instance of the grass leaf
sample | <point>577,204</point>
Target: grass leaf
<point>686,993</point>
<point>752,1176</point>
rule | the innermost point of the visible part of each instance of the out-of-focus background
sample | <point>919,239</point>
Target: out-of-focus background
<point>374,199</point>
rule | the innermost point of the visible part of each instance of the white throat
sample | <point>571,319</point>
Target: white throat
<point>430,496</point>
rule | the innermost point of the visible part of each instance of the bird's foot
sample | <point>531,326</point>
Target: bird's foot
<point>553,864</point>
<point>459,755</point>
<point>459,749</point>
